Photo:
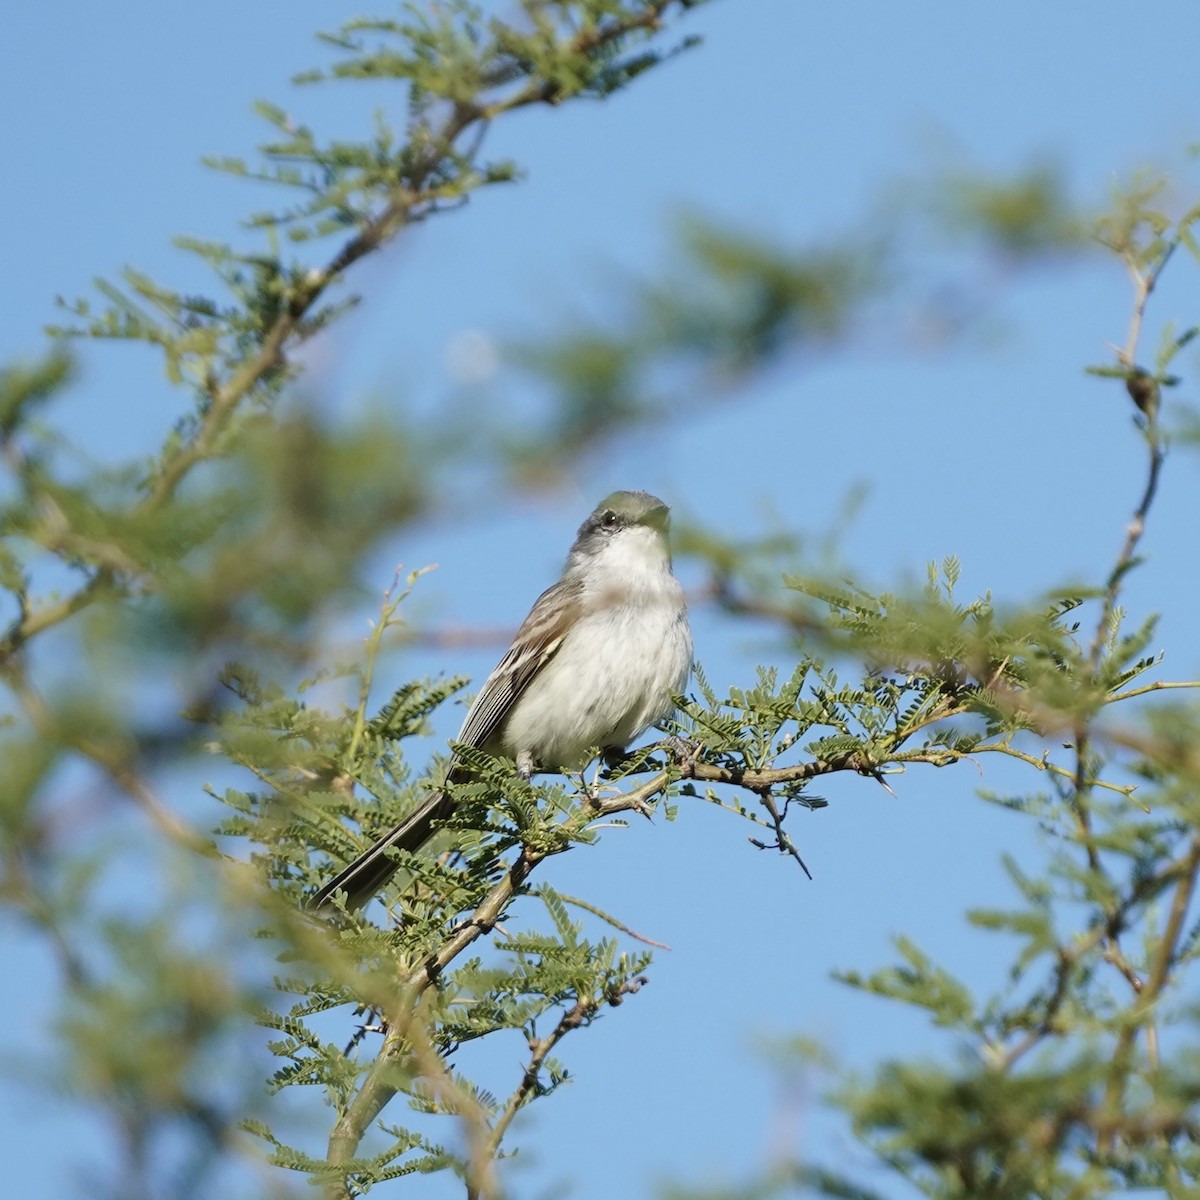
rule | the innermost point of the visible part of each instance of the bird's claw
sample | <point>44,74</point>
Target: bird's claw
<point>683,751</point>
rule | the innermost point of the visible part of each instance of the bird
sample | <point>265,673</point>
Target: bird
<point>598,661</point>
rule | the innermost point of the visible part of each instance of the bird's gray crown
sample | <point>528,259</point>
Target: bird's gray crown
<point>618,511</point>
<point>628,508</point>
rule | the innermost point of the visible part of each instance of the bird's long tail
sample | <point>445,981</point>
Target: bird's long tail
<point>367,874</point>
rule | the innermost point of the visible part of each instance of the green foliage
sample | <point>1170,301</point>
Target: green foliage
<point>239,543</point>
<point>944,681</point>
<point>22,389</point>
<point>173,611</point>
<point>1021,217</point>
<point>735,303</point>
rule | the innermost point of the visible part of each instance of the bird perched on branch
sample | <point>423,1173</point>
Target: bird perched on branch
<point>595,664</point>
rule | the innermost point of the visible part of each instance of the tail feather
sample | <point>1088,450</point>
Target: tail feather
<point>366,875</point>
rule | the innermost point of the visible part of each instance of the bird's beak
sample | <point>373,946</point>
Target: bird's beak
<point>658,518</point>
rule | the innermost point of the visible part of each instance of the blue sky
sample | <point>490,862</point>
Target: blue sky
<point>791,120</point>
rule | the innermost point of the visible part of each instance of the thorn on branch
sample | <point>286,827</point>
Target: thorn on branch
<point>373,1023</point>
<point>782,843</point>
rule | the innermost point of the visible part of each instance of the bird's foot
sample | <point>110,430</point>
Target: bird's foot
<point>683,752</point>
<point>525,766</point>
<point>613,759</point>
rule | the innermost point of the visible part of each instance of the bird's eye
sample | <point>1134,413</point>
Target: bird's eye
<point>608,519</point>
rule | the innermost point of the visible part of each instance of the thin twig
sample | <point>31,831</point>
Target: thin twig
<point>609,919</point>
<point>1042,763</point>
<point>540,1048</point>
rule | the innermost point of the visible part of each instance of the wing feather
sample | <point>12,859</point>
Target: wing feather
<point>537,641</point>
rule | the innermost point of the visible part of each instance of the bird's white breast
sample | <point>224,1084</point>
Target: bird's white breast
<point>615,672</point>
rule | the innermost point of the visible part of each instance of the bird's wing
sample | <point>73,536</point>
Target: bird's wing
<point>536,643</point>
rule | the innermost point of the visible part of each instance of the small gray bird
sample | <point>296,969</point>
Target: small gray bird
<point>594,664</point>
